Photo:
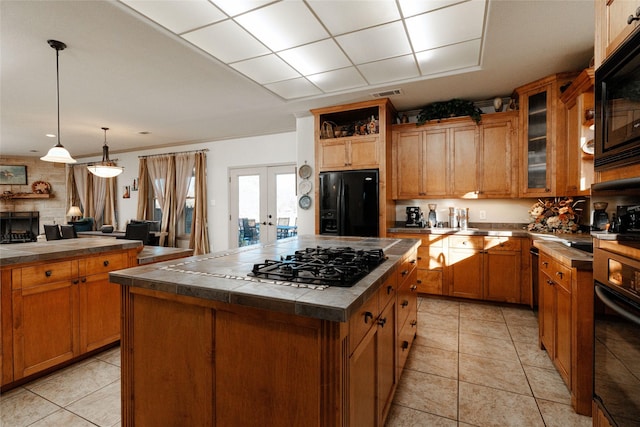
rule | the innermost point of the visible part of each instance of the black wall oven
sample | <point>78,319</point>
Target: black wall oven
<point>616,273</point>
<point>617,91</point>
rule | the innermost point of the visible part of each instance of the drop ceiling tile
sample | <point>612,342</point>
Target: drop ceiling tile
<point>453,24</point>
<point>337,80</point>
<point>344,16</point>
<point>236,7</point>
<point>178,16</point>
<point>415,7</point>
<point>389,70</point>
<point>450,58</point>
<point>227,41</point>
<point>283,25</point>
<point>316,58</point>
<point>266,69</point>
<point>375,43</point>
<point>296,88</point>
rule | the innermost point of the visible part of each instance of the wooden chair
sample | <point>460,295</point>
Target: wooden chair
<point>52,232</point>
<point>281,230</point>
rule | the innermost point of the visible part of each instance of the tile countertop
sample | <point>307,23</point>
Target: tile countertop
<point>223,276</point>
<point>570,257</point>
<point>151,254</point>
<point>18,253</point>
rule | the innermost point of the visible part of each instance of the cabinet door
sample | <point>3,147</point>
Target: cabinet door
<point>45,320</point>
<point>464,143</point>
<point>617,28</point>
<point>563,334</point>
<point>435,159</point>
<point>363,408</point>
<point>333,154</point>
<point>363,152</point>
<point>497,158</point>
<point>465,273</point>
<point>409,165</point>
<point>502,269</point>
<point>99,312</point>
<point>386,360</point>
<point>536,150</point>
<point>547,304</point>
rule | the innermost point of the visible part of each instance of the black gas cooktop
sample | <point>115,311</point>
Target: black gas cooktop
<point>339,266</point>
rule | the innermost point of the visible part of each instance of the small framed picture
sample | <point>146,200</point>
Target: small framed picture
<point>134,187</point>
<point>13,175</point>
<point>126,193</point>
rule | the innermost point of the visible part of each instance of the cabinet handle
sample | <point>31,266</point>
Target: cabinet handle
<point>413,323</point>
<point>76,281</point>
<point>404,303</point>
<point>405,345</point>
<point>405,272</point>
<point>367,314</point>
<point>389,289</point>
<point>550,282</point>
<point>48,273</point>
<point>547,190</point>
<point>560,274</point>
<point>414,287</point>
<point>632,18</point>
<point>382,321</point>
<point>413,261</point>
<point>419,258</point>
<point>105,263</point>
<point>418,282</point>
<point>545,263</point>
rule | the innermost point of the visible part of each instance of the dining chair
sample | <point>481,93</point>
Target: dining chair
<point>137,231</point>
<point>52,232</point>
<point>68,232</point>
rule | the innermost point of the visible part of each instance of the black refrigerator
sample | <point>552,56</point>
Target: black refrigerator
<point>349,203</point>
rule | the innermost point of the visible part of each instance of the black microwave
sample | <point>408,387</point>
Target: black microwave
<point>617,115</point>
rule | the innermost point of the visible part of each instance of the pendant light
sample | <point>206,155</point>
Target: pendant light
<point>58,153</point>
<point>106,168</point>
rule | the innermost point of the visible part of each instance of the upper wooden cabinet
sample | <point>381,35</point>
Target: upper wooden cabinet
<point>456,158</point>
<point>612,26</point>
<point>352,136</point>
<point>579,103</point>
<point>542,136</point>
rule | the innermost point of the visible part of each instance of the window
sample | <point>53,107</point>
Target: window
<point>186,219</point>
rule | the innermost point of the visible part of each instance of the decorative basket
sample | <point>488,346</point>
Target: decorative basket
<point>327,129</point>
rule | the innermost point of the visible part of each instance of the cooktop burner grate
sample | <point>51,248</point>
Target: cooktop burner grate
<point>341,266</point>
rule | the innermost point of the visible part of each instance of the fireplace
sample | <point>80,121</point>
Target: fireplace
<point>19,227</point>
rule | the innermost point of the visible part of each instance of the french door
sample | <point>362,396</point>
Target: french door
<point>263,204</point>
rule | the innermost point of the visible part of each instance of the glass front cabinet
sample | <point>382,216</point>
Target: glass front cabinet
<point>542,136</point>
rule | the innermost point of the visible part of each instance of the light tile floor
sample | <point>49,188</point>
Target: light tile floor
<point>473,364</point>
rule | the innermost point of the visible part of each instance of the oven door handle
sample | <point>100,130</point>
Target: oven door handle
<point>603,294</point>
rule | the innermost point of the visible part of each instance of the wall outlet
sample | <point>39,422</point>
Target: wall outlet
<point>483,214</point>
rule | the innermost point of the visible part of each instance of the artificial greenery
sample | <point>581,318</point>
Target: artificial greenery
<point>446,109</point>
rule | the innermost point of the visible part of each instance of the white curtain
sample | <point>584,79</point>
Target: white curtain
<point>184,171</point>
<point>162,175</point>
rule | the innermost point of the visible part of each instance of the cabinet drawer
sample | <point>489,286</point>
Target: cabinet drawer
<point>466,242</point>
<point>361,321</point>
<point>502,244</point>
<point>430,281</point>
<point>44,274</point>
<point>407,266</point>
<point>431,258</point>
<point>387,291</point>
<point>406,337</point>
<point>106,262</point>
<point>545,264</point>
<point>407,298</point>
<point>562,276</point>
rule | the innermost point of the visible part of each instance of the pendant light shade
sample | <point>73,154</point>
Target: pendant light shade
<point>58,153</point>
<point>106,168</point>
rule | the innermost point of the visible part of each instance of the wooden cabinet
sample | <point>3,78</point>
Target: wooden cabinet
<point>503,269</point>
<point>542,136</point>
<point>456,158</point>
<point>464,266</point>
<point>566,325</point>
<point>612,27</point>
<point>407,307</point>
<point>57,311</point>
<point>360,138</point>
<point>432,255</point>
<point>579,111</point>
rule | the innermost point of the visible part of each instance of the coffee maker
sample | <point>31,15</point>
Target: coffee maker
<point>415,217</point>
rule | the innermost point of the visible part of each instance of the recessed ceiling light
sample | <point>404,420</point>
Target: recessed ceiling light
<point>50,135</point>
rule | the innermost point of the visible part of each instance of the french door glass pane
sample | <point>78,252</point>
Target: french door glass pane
<point>286,206</point>
<point>248,210</point>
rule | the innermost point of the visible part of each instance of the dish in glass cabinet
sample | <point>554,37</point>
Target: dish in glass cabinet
<point>304,171</point>
<point>305,202</point>
<point>589,147</point>
<point>304,187</point>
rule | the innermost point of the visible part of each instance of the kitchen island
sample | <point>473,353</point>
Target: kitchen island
<point>57,304</point>
<point>205,344</point>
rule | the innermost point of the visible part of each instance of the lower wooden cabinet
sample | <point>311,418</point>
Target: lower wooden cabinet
<point>431,260</point>
<point>57,311</point>
<point>565,305</point>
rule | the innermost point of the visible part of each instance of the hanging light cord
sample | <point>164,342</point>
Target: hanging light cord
<point>58,46</point>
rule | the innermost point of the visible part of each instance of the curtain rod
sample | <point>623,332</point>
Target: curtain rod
<point>178,152</point>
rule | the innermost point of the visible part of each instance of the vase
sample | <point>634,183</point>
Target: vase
<point>497,104</point>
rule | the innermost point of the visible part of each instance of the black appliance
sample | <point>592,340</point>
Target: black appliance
<point>349,203</point>
<point>340,266</point>
<point>624,194</point>
<point>19,227</point>
<point>617,115</point>
<point>415,217</point>
<point>616,385</point>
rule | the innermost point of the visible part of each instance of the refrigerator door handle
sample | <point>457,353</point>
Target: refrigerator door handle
<point>341,208</point>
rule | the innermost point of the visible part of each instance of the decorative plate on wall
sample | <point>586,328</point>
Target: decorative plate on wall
<point>304,171</point>
<point>304,187</point>
<point>305,202</point>
<point>41,187</point>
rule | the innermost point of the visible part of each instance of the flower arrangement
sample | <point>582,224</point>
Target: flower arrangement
<point>557,215</point>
